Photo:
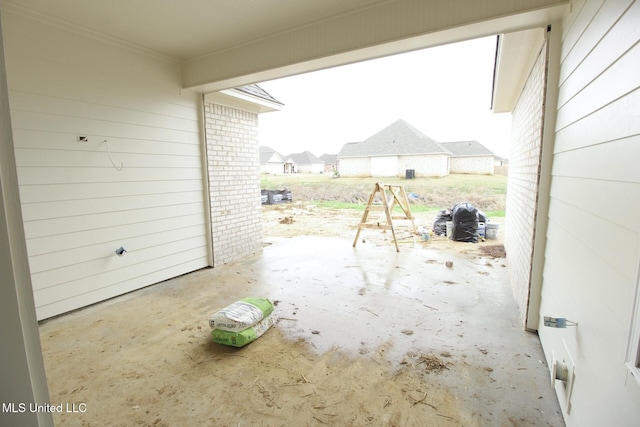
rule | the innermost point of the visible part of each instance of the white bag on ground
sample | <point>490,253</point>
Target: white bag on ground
<point>242,338</point>
<point>241,314</point>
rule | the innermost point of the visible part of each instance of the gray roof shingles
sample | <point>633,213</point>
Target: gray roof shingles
<point>399,138</point>
<point>305,158</point>
<point>329,159</point>
<point>466,148</point>
<point>266,153</point>
<point>258,92</point>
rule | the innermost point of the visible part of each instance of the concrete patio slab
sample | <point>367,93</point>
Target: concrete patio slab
<point>365,336</point>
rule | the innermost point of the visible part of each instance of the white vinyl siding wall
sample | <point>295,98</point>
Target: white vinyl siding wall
<point>77,208</point>
<point>593,250</point>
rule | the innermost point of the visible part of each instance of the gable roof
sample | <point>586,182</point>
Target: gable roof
<point>249,97</point>
<point>466,148</point>
<point>398,138</point>
<point>266,153</point>
<point>329,159</point>
<point>258,92</point>
<point>305,158</point>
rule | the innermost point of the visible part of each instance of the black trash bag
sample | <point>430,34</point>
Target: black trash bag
<point>482,217</point>
<point>465,223</point>
<point>440,224</point>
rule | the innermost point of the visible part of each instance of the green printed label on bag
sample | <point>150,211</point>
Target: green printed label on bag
<point>244,337</point>
<point>241,314</point>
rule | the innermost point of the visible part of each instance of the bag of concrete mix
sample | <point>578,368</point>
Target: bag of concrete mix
<point>241,314</point>
<point>244,337</point>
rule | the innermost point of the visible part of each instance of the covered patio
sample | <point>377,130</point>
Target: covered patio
<point>365,336</point>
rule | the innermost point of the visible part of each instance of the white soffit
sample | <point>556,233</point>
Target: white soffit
<point>242,101</point>
<point>516,55</point>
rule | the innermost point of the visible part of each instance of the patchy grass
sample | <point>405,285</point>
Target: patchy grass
<point>486,192</point>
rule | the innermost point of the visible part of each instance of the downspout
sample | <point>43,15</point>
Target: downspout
<point>541,221</point>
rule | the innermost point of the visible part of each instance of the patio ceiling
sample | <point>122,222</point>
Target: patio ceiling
<point>223,43</point>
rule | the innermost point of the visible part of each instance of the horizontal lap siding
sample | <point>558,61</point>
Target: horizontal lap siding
<point>593,251</point>
<point>77,207</point>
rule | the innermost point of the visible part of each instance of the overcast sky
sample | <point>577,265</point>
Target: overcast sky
<point>445,92</point>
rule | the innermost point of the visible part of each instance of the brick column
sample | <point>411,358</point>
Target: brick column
<point>523,181</point>
<point>234,182</point>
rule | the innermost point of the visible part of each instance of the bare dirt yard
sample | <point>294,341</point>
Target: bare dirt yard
<point>306,218</point>
<point>312,210</point>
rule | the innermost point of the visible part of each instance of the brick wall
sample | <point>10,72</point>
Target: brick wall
<point>427,165</point>
<point>360,166</point>
<point>234,182</point>
<point>476,165</point>
<point>522,187</point>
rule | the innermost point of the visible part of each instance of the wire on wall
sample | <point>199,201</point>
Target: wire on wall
<point>119,169</point>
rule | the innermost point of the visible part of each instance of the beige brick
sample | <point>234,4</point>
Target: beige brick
<point>232,148</point>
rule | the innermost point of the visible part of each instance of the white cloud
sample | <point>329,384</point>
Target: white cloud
<point>445,92</point>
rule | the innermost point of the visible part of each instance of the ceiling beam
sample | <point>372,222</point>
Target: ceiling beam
<point>385,29</point>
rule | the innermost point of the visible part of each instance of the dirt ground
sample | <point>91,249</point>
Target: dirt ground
<point>147,359</point>
<point>300,218</point>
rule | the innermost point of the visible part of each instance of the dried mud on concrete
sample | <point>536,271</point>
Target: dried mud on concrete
<point>364,336</point>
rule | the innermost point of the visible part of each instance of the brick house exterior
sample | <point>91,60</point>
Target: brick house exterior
<point>524,165</point>
<point>234,182</point>
<point>469,157</point>
<point>393,150</point>
<point>233,170</point>
<point>271,162</point>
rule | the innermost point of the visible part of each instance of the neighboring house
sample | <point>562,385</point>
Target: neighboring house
<point>500,166</point>
<point>330,162</point>
<point>469,157</point>
<point>304,162</point>
<point>393,150</point>
<point>187,195</point>
<point>500,161</point>
<point>271,162</point>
